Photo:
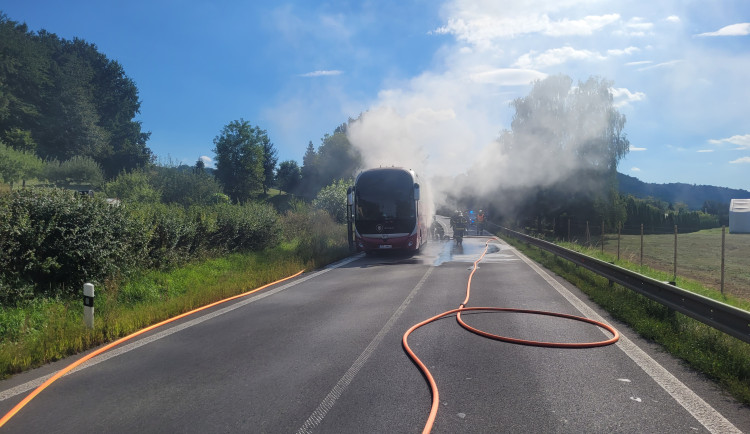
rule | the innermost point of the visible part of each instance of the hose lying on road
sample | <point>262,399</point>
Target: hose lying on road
<point>463,308</point>
<point>93,354</point>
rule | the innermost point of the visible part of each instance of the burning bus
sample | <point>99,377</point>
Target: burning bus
<point>384,211</point>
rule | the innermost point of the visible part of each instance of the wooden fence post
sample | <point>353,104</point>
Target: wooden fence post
<point>723,238</point>
<point>675,254</point>
<point>641,244</point>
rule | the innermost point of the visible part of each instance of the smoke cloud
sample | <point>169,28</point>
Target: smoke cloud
<point>447,124</point>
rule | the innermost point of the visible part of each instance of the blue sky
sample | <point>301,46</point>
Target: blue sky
<point>435,78</point>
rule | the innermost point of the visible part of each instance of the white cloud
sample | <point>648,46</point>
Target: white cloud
<point>507,76</point>
<point>623,97</point>
<point>586,26</point>
<point>555,56</point>
<point>208,161</point>
<point>636,27</point>
<point>742,141</point>
<point>636,149</point>
<point>635,169</point>
<point>741,29</point>
<point>673,19</point>
<point>484,25</point>
<point>629,50</point>
<point>662,65</point>
<point>705,150</point>
<point>322,73</point>
<point>742,160</point>
<point>640,62</point>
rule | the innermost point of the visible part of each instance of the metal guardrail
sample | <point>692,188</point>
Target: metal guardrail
<point>721,316</point>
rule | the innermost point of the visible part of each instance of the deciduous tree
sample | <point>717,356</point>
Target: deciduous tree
<point>239,159</point>
<point>288,176</point>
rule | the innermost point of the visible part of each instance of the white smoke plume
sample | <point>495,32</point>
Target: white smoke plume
<point>448,123</point>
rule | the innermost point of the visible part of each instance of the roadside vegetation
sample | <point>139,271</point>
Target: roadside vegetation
<point>173,237</point>
<point>83,199</point>
<point>719,356</point>
<point>698,257</point>
<point>148,264</point>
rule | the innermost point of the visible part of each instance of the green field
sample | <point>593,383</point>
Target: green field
<point>698,257</point>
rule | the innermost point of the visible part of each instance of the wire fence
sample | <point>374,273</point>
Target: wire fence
<point>713,257</point>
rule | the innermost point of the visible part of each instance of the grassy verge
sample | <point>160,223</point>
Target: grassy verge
<point>698,257</point>
<point>719,356</point>
<point>45,330</point>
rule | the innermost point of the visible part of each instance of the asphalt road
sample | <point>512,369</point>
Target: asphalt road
<point>322,353</point>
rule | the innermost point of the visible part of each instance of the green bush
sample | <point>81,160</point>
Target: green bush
<point>185,187</point>
<point>332,199</point>
<point>18,165</point>
<point>79,170</point>
<point>250,226</point>
<point>132,187</point>
<point>52,241</point>
<point>317,238</point>
<point>55,240</point>
<point>171,234</point>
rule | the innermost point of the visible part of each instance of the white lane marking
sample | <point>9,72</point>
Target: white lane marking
<point>325,406</point>
<point>33,384</point>
<point>694,404</point>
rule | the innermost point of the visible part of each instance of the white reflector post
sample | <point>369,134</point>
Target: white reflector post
<point>88,305</point>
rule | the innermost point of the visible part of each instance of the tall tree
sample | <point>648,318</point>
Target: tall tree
<point>574,135</point>
<point>335,159</point>
<point>239,159</point>
<point>270,159</point>
<point>69,98</point>
<point>288,176</point>
<point>309,172</point>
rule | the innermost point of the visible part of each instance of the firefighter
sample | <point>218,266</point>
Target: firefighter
<point>480,222</point>
<point>459,227</point>
<point>437,229</point>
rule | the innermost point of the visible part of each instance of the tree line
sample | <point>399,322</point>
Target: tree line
<point>246,163</point>
<point>61,99</point>
<point>67,116</point>
<point>579,128</point>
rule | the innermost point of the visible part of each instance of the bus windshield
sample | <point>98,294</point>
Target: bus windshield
<point>385,195</point>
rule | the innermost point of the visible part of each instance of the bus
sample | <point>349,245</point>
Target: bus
<point>384,211</point>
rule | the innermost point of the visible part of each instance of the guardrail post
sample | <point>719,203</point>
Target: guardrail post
<point>88,305</point>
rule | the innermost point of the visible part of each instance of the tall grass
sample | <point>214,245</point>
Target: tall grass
<point>719,356</point>
<point>47,329</point>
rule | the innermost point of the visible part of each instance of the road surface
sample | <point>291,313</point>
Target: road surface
<point>322,353</point>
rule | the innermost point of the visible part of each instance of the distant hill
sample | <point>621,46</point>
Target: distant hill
<point>692,195</point>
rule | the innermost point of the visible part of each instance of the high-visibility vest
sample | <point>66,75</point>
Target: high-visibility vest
<point>480,218</point>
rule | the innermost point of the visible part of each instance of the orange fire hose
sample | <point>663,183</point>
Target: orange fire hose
<point>93,354</point>
<point>462,308</point>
